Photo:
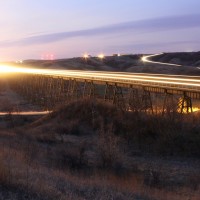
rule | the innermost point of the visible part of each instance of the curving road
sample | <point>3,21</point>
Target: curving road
<point>146,59</point>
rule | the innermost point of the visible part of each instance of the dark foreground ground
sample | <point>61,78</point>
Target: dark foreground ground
<point>90,150</point>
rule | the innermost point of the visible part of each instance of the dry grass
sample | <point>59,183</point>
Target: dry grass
<point>90,150</point>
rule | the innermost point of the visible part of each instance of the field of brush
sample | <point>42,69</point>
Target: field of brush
<point>90,150</point>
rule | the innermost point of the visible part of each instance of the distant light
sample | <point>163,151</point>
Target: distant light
<point>85,56</point>
<point>118,54</point>
<point>101,56</point>
<point>143,59</point>
<point>52,57</point>
<point>19,61</point>
<point>47,56</point>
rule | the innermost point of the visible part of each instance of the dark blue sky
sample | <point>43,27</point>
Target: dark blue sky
<point>66,28</point>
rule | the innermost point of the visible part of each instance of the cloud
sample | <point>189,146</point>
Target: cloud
<point>150,47</point>
<point>133,27</point>
<point>160,44</point>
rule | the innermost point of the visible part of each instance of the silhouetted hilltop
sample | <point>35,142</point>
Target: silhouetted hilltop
<point>126,63</point>
<point>181,58</point>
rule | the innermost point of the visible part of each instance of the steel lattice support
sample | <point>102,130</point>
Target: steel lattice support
<point>168,105</point>
<point>114,94</point>
<point>185,104</point>
<point>69,89</point>
<point>133,100</point>
<point>49,91</point>
<point>75,90</point>
<point>146,101</point>
<point>118,99</point>
<point>109,93</point>
<point>89,89</point>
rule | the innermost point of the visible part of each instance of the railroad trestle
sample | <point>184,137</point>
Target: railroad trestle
<point>49,92</point>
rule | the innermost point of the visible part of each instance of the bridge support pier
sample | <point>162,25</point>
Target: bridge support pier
<point>185,104</point>
<point>69,90</point>
<point>58,90</point>
<point>146,101</point>
<point>89,89</point>
<point>109,93</point>
<point>168,105</point>
<point>118,99</point>
<point>114,94</point>
<point>75,90</point>
<point>133,100</point>
<point>50,96</point>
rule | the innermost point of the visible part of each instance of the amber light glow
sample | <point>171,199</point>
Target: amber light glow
<point>6,69</point>
<point>195,109</point>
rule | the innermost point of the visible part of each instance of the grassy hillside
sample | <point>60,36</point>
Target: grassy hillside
<point>181,58</point>
<point>90,150</point>
<point>126,63</point>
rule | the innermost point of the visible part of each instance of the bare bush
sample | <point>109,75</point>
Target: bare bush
<point>108,146</point>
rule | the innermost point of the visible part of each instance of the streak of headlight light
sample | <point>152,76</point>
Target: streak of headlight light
<point>103,75</point>
<point>143,80</point>
<point>6,69</point>
<point>126,76</point>
<point>64,72</point>
<point>81,75</point>
<point>145,59</point>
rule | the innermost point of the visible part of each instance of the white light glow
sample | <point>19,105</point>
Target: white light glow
<point>146,59</point>
<point>130,78</point>
<point>6,69</point>
<point>85,56</point>
<point>101,56</point>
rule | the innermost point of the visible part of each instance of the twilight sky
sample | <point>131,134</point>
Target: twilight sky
<point>69,28</point>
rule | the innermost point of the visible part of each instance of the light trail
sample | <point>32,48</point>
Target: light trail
<point>171,81</point>
<point>28,113</point>
<point>132,75</point>
<point>146,59</point>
